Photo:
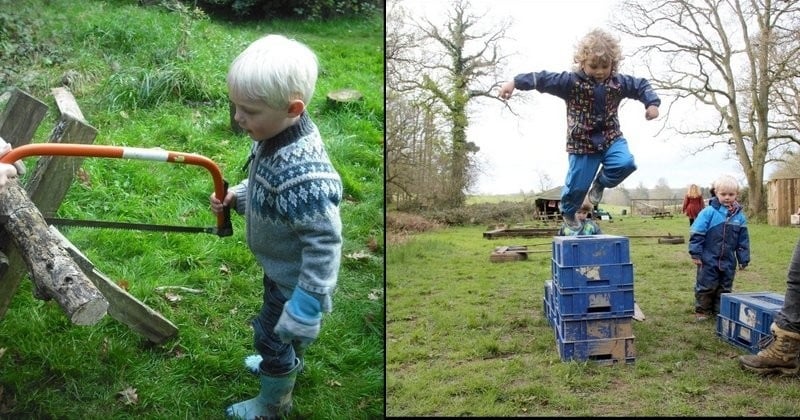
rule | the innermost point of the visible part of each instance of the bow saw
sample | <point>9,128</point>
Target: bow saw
<point>223,227</point>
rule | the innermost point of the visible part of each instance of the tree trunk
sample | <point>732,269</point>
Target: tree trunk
<point>54,273</point>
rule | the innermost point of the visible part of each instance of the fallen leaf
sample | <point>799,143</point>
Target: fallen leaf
<point>128,396</point>
<point>124,285</point>
<point>83,177</point>
<point>332,382</point>
<point>223,269</point>
<point>172,297</point>
<point>372,244</point>
<point>360,255</point>
<point>375,294</point>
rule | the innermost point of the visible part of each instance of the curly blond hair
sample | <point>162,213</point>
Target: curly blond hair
<point>601,46</point>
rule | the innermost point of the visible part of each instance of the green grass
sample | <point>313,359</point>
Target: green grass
<point>467,337</point>
<point>146,77</point>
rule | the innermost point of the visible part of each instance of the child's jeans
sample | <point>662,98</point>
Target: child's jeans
<point>617,163</point>
<point>278,357</point>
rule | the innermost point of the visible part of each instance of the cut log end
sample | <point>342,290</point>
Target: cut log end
<point>344,96</point>
<point>90,313</point>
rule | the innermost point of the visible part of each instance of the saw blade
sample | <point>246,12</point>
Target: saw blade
<point>121,225</point>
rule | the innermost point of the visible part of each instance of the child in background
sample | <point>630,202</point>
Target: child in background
<point>592,92</point>
<point>693,203</point>
<point>290,201</point>
<point>719,239</point>
<point>588,226</point>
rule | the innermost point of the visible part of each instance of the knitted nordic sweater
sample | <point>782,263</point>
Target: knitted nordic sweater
<point>290,201</point>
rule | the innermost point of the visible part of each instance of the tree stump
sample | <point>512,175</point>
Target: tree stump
<point>343,96</point>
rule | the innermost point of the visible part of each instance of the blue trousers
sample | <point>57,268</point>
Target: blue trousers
<point>617,163</point>
<point>710,284</point>
<point>788,318</point>
<point>278,357</point>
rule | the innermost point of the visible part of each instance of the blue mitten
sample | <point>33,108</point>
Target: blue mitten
<point>300,320</point>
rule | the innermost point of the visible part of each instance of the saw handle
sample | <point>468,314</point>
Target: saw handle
<point>224,226</point>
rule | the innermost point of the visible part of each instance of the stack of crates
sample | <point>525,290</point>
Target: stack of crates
<point>744,318</point>
<point>589,300</point>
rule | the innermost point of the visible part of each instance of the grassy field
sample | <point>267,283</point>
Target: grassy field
<point>468,337</point>
<point>155,77</point>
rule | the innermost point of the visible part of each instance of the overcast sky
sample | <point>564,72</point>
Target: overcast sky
<point>517,151</point>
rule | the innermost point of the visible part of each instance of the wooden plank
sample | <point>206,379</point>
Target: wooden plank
<point>526,232</point>
<point>66,103</point>
<point>21,118</point>
<point>123,307</point>
<point>54,174</point>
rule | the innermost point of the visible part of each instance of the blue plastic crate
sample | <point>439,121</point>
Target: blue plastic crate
<point>740,335</point>
<point>754,310</point>
<point>593,302</point>
<point>547,303</point>
<point>593,328</point>
<point>590,250</point>
<point>592,275</point>
<point>611,350</point>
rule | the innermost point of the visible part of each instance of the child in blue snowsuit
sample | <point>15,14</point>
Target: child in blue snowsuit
<point>592,92</point>
<point>719,239</point>
<point>588,226</point>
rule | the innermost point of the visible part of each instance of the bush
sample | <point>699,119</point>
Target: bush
<point>303,9</point>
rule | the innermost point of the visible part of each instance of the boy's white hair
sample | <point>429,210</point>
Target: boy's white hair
<point>275,70</point>
<point>726,183</point>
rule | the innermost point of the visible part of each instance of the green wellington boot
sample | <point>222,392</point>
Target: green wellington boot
<point>780,356</point>
<point>272,402</point>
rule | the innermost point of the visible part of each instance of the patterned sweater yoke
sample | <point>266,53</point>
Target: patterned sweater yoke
<point>291,204</point>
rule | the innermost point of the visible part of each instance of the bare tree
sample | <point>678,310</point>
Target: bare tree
<point>732,56</point>
<point>451,65</point>
<point>662,190</point>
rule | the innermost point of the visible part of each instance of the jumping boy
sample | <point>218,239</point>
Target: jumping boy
<point>290,201</point>
<point>592,92</point>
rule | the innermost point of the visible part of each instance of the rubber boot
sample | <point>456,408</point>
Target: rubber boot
<point>780,356</point>
<point>272,402</point>
<point>253,362</point>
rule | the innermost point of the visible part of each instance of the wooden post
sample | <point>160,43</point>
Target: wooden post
<point>49,181</point>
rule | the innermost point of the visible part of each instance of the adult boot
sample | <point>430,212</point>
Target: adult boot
<point>272,402</point>
<point>780,356</point>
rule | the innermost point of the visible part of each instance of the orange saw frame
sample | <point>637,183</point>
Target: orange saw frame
<point>224,227</point>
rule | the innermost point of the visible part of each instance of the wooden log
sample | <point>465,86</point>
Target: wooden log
<point>18,124</point>
<point>54,273</point>
<point>123,307</point>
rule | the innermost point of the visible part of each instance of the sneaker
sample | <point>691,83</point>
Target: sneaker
<point>596,193</point>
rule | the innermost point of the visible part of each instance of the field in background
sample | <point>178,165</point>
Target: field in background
<point>467,337</point>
